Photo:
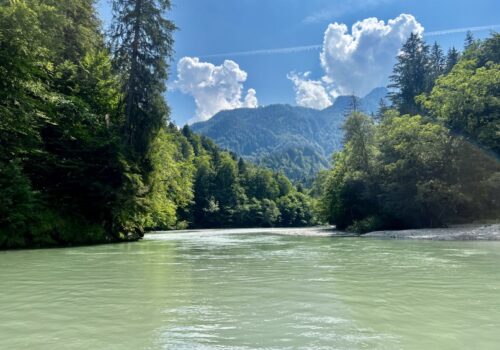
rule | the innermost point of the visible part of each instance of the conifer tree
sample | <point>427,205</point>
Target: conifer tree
<point>451,59</point>
<point>410,75</point>
<point>142,44</point>
<point>353,106</point>
<point>382,108</point>
<point>469,40</point>
<point>437,63</point>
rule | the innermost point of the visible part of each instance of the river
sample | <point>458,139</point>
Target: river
<point>245,289</point>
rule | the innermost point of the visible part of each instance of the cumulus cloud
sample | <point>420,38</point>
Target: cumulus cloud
<point>361,60</point>
<point>251,99</point>
<point>214,88</point>
<point>309,93</point>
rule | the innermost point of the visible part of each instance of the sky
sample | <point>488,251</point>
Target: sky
<point>250,53</point>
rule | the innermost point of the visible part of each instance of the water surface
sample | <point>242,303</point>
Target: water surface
<point>235,290</point>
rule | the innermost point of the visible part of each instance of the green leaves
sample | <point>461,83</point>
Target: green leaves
<point>417,175</point>
<point>467,101</point>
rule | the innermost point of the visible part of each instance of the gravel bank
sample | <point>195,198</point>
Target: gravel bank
<point>486,232</point>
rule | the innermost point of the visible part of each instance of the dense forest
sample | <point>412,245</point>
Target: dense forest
<point>430,159</point>
<point>87,153</point>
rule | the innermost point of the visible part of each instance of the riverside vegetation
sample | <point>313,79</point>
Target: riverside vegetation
<point>88,155</point>
<point>432,158</point>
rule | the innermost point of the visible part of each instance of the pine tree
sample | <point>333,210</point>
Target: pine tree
<point>469,41</point>
<point>451,59</point>
<point>382,108</point>
<point>79,31</point>
<point>242,167</point>
<point>354,105</point>
<point>142,44</point>
<point>437,63</point>
<point>410,75</point>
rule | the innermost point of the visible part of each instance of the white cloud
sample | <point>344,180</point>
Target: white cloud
<point>309,93</point>
<point>251,99</point>
<point>359,61</point>
<point>214,88</point>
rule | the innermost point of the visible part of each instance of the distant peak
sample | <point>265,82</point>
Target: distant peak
<point>379,92</point>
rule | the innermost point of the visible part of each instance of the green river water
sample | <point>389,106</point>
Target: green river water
<point>249,290</point>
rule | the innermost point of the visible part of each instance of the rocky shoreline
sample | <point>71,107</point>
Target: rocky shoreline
<point>471,232</point>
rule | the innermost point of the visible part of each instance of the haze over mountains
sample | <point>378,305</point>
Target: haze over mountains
<point>296,140</point>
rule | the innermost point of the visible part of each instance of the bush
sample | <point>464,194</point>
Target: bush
<point>369,224</point>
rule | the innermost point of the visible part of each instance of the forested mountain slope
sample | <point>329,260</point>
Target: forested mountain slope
<point>296,140</point>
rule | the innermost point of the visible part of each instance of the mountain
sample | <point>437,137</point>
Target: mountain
<point>296,140</point>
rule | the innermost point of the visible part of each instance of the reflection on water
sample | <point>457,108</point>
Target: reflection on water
<point>243,289</point>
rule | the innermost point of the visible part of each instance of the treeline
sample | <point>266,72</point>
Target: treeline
<point>86,153</point>
<point>230,192</point>
<point>430,159</point>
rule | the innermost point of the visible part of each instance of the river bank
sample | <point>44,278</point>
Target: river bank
<point>469,232</point>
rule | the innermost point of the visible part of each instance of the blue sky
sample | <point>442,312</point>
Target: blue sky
<point>213,31</point>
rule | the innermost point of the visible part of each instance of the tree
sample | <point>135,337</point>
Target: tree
<point>358,141</point>
<point>469,41</point>
<point>23,68</point>
<point>56,142</point>
<point>142,44</point>
<point>78,31</point>
<point>347,189</point>
<point>242,166</point>
<point>382,108</point>
<point>353,106</point>
<point>467,101</point>
<point>488,50</point>
<point>410,75</point>
<point>295,210</point>
<point>437,63</point>
<point>412,163</point>
<point>451,59</point>
<point>226,182</point>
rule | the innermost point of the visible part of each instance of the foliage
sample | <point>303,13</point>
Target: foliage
<point>411,171</point>
<point>416,71</point>
<point>86,155</point>
<point>414,177</point>
<point>467,100</point>
<point>231,192</point>
<point>410,74</point>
